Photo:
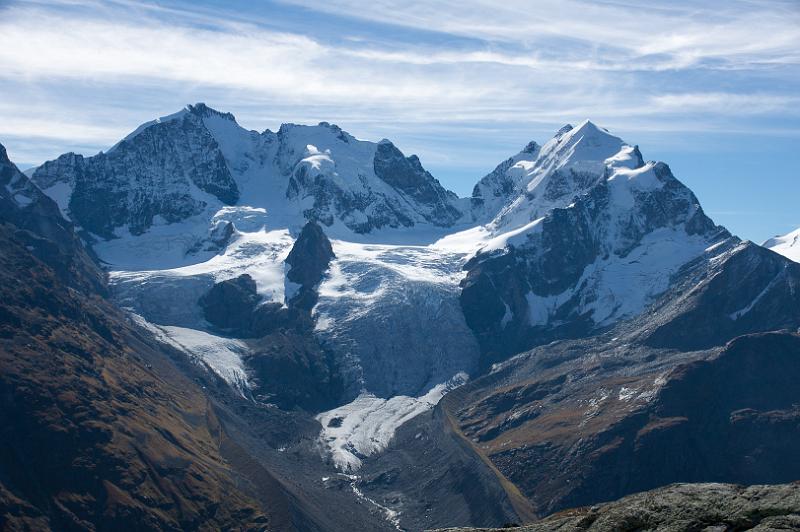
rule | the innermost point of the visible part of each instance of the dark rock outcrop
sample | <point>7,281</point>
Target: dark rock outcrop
<point>234,307</point>
<point>230,304</point>
<point>291,370</point>
<point>308,260</point>
<point>289,367</point>
<point>407,175</point>
<point>155,172</point>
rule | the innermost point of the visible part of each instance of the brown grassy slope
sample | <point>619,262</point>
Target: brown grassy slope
<point>98,429</point>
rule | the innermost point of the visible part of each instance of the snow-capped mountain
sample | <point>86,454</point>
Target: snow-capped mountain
<point>335,294</point>
<point>194,163</point>
<point>593,235</point>
<point>787,245</point>
<point>560,240</point>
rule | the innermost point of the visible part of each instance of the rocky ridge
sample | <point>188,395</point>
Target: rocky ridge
<point>680,507</point>
<point>199,160</point>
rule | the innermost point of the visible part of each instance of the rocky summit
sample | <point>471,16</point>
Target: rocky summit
<point>206,327</point>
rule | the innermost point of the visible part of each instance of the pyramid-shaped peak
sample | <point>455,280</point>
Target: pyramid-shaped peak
<point>587,133</point>
<point>587,127</point>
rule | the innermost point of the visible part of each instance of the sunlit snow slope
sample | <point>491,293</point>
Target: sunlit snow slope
<point>787,245</point>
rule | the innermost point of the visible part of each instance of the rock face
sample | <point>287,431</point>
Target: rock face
<point>291,370</point>
<point>504,183</point>
<point>234,307</point>
<point>230,304</point>
<point>168,169</point>
<point>680,507</point>
<point>407,175</point>
<point>40,225</point>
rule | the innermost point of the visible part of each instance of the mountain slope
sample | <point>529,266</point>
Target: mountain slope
<point>787,245</point>
<point>99,429</point>
<point>579,422</point>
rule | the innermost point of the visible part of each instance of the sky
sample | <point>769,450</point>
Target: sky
<point>710,87</point>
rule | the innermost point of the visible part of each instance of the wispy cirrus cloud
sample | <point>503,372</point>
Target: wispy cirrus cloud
<point>439,76</point>
<point>725,34</point>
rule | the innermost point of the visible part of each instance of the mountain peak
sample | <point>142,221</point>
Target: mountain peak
<point>200,110</point>
<point>588,125</point>
<point>204,111</point>
<point>585,142</point>
<point>586,129</point>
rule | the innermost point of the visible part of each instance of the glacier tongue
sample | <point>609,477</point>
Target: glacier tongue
<point>367,425</point>
<point>222,355</point>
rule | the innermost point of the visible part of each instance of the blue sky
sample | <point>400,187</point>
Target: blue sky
<point>711,88</point>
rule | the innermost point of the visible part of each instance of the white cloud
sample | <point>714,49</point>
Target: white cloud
<point>40,45</point>
<point>88,72</point>
<point>664,35</point>
<point>722,102</point>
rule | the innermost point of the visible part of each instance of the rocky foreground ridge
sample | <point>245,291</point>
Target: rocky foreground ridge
<point>679,508</point>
